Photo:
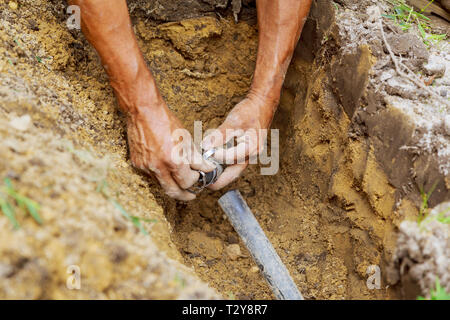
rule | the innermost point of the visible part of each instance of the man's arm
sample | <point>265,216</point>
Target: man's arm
<point>150,123</point>
<point>280,24</point>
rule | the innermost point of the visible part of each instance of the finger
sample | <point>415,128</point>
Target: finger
<point>232,155</point>
<point>238,154</point>
<point>230,174</point>
<point>172,189</point>
<point>184,176</point>
<point>199,163</point>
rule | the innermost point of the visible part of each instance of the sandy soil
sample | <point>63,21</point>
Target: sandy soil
<point>331,212</point>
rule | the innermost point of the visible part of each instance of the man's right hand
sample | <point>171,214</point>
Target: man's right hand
<point>153,145</point>
<point>106,24</point>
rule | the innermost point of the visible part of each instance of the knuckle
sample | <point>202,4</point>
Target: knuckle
<point>171,165</point>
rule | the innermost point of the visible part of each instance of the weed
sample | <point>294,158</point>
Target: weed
<point>336,6</point>
<point>231,295</point>
<point>424,210</point>
<point>137,221</point>
<point>440,217</point>
<point>438,293</point>
<point>9,196</point>
<point>405,17</point>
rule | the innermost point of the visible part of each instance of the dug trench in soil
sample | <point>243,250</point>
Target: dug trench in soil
<point>331,211</point>
<point>327,248</point>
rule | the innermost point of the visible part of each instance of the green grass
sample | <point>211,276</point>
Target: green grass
<point>438,293</point>
<point>406,17</point>
<point>137,221</point>
<point>335,6</point>
<point>231,295</point>
<point>38,59</point>
<point>179,280</point>
<point>441,217</point>
<point>424,209</point>
<point>10,199</point>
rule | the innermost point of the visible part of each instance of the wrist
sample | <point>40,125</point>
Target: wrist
<point>267,87</point>
<point>266,98</point>
<point>264,107</point>
<point>137,93</point>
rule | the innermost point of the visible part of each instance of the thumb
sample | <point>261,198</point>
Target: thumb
<point>214,139</point>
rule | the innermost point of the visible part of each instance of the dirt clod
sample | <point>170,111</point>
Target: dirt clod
<point>233,251</point>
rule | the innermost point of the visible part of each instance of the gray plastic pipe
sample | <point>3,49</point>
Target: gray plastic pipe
<point>260,248</point>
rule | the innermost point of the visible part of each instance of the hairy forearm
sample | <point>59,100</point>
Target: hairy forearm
<point>280,25</point>
<point>107,26</point>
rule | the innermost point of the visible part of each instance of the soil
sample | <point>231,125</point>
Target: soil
<point>344,186</point>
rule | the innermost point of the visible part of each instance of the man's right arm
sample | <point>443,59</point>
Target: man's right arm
<point>150,124</point>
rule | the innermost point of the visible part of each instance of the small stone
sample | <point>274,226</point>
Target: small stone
<point>435,67</point>
<point>13,5</point>
<point>447,124</point>
<point>233,251</point>
<point>21,123</point>
<point>254,269</point>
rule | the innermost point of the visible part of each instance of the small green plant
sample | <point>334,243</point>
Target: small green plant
<point>179,280</point>
<point>442,218</point>
<point>406,17</point>
<point>424,210</point>
<point>231,295</point>
<point>17,42</point>
<point>336,6</point>
<point>9,198</point>
<point>439,217</point>
<point>438,293</point>
<point>137,221</point>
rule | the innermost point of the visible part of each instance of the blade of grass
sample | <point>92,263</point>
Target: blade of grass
<point>425,8</point>
<point>26,204</point>
<point>33,210</point>
<point>102,188</point>
<point>135,221</point>
<point>9,213</point>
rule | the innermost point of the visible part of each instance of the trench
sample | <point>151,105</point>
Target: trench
<point>326,253</point>
<point>326,240</point>
<point>330,212</point>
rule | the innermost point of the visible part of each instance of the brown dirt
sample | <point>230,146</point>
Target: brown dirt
<point>330,212</point>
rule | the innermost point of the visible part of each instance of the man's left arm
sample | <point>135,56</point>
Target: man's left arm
<point>280,24</point>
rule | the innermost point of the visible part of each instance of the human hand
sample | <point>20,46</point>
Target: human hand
<point>247,123</point>
<point>158,142</point>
